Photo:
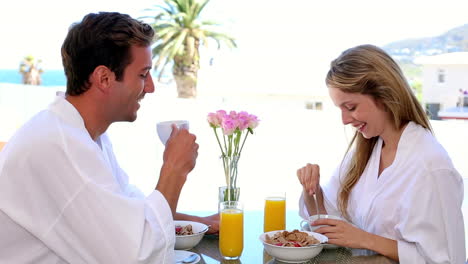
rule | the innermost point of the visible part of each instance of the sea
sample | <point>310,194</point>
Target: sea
<point>49,77</point>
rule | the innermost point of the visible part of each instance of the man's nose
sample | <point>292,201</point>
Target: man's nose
<point>149,84</point>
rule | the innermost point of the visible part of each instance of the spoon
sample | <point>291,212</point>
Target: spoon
<point>316,206</point>
<point>189,259</point>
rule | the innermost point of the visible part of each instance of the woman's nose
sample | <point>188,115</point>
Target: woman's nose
<point>346,117</point>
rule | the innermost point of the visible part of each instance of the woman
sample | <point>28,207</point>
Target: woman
<point>396,185</point>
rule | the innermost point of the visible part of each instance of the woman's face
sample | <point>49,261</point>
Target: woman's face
<point>361,111</point>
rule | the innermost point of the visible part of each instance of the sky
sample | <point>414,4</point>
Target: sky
<point>276,38</point>
<point>38,28</point>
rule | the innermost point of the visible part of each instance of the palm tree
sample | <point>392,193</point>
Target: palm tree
<point>31,70</point>
<point>179,33</point>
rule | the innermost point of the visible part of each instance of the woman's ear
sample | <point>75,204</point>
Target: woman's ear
<point>103,77</point>
<point>381,105</point>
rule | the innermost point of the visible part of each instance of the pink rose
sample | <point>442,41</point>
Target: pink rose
<point>214,120</point>
<point>233,115</point>
<point>243,120</point>
<point>221,114</point>
<point>228,125</point>
<point>253,121</point>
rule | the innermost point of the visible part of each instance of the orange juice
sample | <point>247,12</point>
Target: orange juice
<point>275,214</point>
<point>231,233</point>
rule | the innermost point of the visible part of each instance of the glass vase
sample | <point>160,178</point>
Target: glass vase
<point>231,194</point>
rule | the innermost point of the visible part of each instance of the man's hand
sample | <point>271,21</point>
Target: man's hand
<point>179,159</point>
<point>181,151</point>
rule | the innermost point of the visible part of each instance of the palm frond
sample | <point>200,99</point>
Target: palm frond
<point>172,6</point>
<point>161,29</point>
<point>180,5</point>
<point>164,55</point>
<point>178,42</point>
<point>172,34</point>
<point>202,6</point>
<point>222,37</point>
<point>163,68</point>
<point>167,9</point>
<point>158,50</point>
<point>209,23</point>
<point>173,22</point>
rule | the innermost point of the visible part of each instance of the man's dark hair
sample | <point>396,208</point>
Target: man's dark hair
<point>101,39</point>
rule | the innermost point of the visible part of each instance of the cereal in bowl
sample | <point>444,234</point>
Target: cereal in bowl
<point>183,230</point>
<point>295,238</point>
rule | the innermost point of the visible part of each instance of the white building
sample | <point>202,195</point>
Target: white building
<point>443,77</point>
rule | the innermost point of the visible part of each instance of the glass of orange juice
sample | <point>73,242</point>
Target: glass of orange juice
<point>275,212</point>
<point>231,229</point>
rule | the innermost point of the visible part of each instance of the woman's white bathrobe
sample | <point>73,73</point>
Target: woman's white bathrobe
<point>64,199</point>
<point>416,201</point>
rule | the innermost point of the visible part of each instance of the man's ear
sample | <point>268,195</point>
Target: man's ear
<point>103,77</point>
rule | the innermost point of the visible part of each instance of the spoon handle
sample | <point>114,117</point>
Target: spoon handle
<point>189,259</point>
<point>316,206</point>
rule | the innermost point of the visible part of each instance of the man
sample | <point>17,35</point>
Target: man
<point>63,196</point>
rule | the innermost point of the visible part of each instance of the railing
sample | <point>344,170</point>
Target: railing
<point>463,100</point>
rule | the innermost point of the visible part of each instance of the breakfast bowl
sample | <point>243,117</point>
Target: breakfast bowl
<point>188,234</point>
<point>293,253</point>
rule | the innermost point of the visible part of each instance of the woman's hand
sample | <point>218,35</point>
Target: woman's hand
<point>342,233</point>
<point>213,222</point>
<point>309,177</point>
<point>345,234</point>
<point>210,220</point>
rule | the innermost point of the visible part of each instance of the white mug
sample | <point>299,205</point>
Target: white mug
<point>312,218</point>
<point>164,128</point>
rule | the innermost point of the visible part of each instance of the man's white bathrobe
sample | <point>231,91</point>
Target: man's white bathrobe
<point>416,201</point>
<point>64,199</point>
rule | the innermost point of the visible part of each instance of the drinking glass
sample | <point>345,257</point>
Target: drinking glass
<point>275,212</point>
<point>231,230</point>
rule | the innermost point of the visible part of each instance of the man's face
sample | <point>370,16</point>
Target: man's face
<point>136,82</point>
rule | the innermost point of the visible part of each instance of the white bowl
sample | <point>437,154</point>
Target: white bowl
<point>189,241</point>
<point>293,254</point>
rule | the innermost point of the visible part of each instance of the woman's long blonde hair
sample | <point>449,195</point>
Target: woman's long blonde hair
<point>369,70</point>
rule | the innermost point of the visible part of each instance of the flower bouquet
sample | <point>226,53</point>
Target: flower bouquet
<point>235,128</point>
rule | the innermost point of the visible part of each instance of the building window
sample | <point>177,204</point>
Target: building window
<point>441,76</point>
<point>314,105</point>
